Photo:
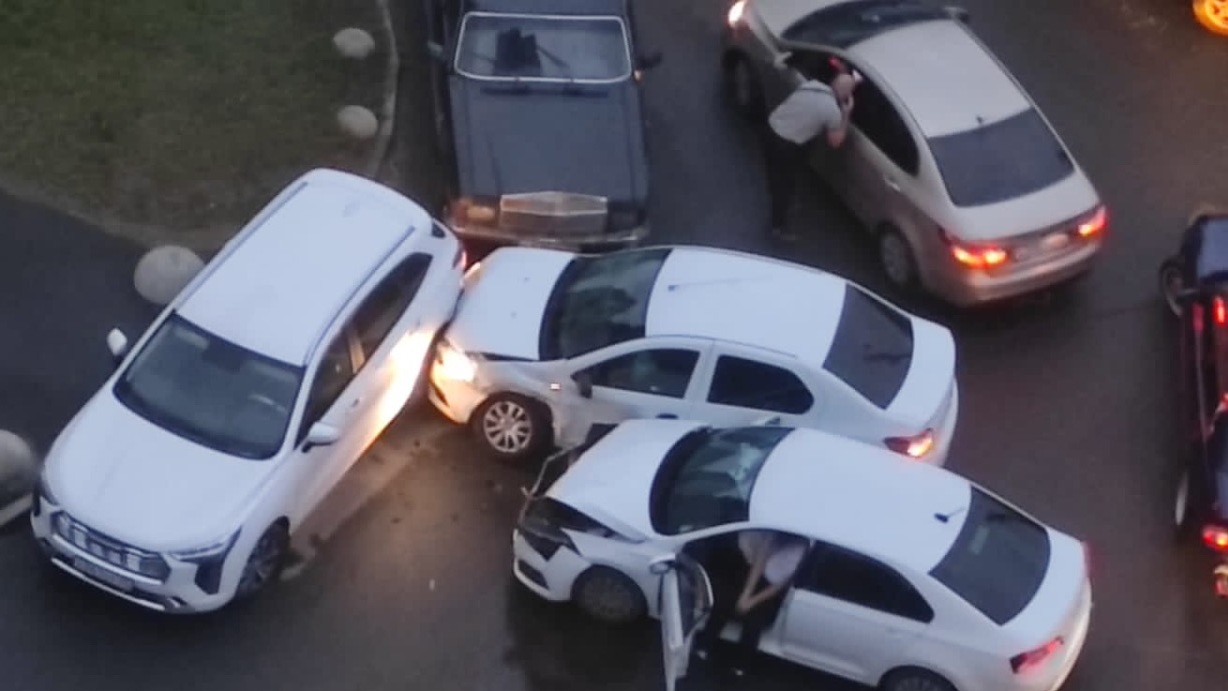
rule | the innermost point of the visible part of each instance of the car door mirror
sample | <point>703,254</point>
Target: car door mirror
<point>958,13</point>
<point>584,384</point>
<point>649,60</point>
<point>435,51</point>
<point>321,434</point>
<point>117,343</point>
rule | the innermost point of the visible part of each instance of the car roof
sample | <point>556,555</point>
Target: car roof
<point>569,7</point>
<point>778,15</point>
<point>862,497</point>
<point>293,268</point>
<point>700,288</point>
<point>945,77</point>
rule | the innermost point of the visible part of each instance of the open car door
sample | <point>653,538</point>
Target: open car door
<point>685,602</point>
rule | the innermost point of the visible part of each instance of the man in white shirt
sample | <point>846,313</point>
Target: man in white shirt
<point>812,109</point>
<point>774,558</point>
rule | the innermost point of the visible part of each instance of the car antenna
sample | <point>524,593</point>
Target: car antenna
<point>946,517</point>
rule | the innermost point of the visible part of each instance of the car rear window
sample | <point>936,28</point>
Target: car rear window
<point>1000,161</point>
<point>998,560</point>
<point>872,348</point>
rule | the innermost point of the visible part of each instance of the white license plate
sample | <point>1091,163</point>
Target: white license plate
<point>1055,241</point>
<point>104,575</point>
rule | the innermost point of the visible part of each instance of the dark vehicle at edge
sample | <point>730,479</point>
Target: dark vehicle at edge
<point>538,111</point>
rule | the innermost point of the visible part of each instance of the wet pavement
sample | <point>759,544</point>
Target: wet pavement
<point>1066,407</point>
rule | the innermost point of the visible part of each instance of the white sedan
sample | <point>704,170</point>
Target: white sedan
<point>916,579</point>
<point>547,344</point>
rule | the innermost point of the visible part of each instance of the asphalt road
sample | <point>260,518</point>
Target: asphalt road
<point>1067,407</point>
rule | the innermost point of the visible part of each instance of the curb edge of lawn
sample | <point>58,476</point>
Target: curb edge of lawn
<point>389,108</point>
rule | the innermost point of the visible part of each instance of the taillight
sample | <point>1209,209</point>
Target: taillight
<point>975,256</point>
<point>1215,537</point>
<point>1220,312</point>
<point>1095,224</point>
<point>913,447</point>
<point>1023,662</point>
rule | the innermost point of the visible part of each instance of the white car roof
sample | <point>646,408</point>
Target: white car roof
<point>778,15</point>
<point>943,75</point>
<point>293,268</point>
<point>699,289</point>
<point>863,497</point>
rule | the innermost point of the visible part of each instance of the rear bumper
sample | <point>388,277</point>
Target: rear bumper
<point>967,287</point>
<point>945,433</point>
<point>572,242</point>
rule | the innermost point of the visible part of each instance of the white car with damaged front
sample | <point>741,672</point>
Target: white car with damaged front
<point>545,345</point>
<point>916,578</point>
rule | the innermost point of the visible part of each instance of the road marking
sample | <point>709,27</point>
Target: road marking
<point>370,476</point>
<point>15,509</point>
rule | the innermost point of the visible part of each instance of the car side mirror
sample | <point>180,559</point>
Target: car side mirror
<point>649,60</point>
<point>584,384</point>
<point>117,343</point>
<point>435,51</point>
<point>958,13</point>
<point>321,434</point>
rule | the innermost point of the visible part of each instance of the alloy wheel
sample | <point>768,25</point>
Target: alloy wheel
<point>507,427</point>
<point>264,562</point>
<point>1182,502</point>
<point>1171,284</point>
<point>1215,12</point>
<point>896,259</point>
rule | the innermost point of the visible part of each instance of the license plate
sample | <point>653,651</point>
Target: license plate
<point>1055,241</point>
<point>104,575</point>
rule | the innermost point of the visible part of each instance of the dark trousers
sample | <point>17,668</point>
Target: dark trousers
<point>754,623</point>
<point>784,162</point>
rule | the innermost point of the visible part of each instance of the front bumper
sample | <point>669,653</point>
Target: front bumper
<point>176,594</point>
<point>551,579</point>
<point>453,398</point>
<point>570,242</point>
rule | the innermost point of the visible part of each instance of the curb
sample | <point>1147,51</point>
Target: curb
<point>389,109</point>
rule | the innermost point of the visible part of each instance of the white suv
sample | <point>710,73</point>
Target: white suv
<point>544,339</point>
<point>177,485</point>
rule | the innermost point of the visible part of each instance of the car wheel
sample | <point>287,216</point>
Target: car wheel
<point>1171,284</point>
<point>743,88</point>
<point>511,427</point>
<point>1213,15</point>
<point>897,260</point>
<point>609,596</point>
<point>1181,502</point>
<point>915,679</point>
<point>266,561</point>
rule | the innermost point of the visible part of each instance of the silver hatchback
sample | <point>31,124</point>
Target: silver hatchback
<point>970,193</point>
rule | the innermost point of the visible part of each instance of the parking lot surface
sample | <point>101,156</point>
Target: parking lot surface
<point>1067,407</point>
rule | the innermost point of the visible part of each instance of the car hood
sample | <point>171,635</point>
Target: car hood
<point>612,481</point>
<point>539,139</point>
<point>926,392</point>
<point>1058,203</point>
<point>500,311</point>
<point>134,481</point>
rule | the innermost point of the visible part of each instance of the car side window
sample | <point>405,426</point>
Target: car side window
<point>751,384</point>
<point>661,372</point>
<point>336,371</point>
<point>857,579</point>
<point>377,314</point>
<point>882,124</point>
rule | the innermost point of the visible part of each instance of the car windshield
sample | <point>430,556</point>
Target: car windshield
<point>847,23</point>
<point>998,560</point>
<point>1000,161</point>
<point>211,391</point>
<point>600,300</point>
<point>872,349</point>
<point>521,47</point>
<point>707,477</point>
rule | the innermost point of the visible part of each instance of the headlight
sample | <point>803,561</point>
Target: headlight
<point>208,551</point>
<point>454,364</point>
<point>735,12</point>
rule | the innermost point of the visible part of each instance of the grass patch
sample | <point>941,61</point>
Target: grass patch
<point>182,114</point>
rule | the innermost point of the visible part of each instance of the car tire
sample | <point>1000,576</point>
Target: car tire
<point>897,259</point>
<point>511,427</point>
<point>1171,283</point>
<point>915,679</point>
<point>743,88</point>
<point>609,596</point>
<point>1188,496</point>
<point>1213,15</point>
<point>265,562</point>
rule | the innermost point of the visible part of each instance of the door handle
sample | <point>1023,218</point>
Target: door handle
<point>667,416</point>
<point>891,183</point>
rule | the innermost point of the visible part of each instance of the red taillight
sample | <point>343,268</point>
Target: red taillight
<point>1221,313</point>
<point>1021,663</point>
<point>1095,224</point>
<point>1215,537</point>
<point>975,256</point>
<point>913,447</point>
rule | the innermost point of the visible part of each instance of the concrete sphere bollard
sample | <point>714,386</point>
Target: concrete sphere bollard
<point>353,43</point>
<point>164,271</point>
<point>357,122</point>
<point>18,468</point>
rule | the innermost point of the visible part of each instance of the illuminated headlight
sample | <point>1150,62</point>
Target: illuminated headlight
<point>468,211</point>
<point>454,364</point>
<point>735,12</point>
<point>204,552</point>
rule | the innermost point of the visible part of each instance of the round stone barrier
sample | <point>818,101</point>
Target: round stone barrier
<point>164,271</point>
<point>357,122</point>
<point>354,43</point>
